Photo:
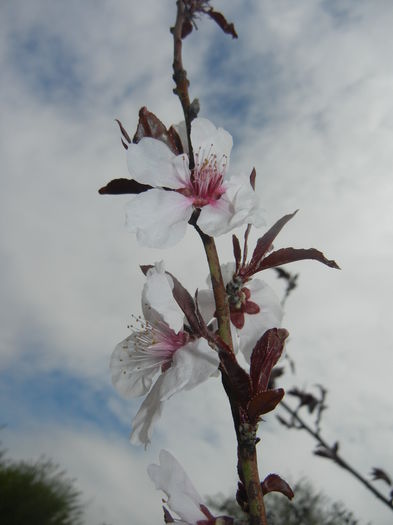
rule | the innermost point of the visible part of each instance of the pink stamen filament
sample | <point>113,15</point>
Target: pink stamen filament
<point>205,185</point>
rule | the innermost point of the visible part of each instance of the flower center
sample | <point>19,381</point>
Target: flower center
<point>156,345</point>
<point>206,182</point>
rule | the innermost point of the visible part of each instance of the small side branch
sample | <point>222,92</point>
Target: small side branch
<point>331,452</point>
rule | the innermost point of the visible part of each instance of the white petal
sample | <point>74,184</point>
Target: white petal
<point>182,132</point>
<point>192,364</point>
<point>270,316</point>
<point>206,304</point>
<point>150,162</point>
<point>238,205</point>
<point>157,294</point>
<point>195,363</point>
<point>245,202</point>
<point>182,496</point>
<point>129,379</point>
<point>227,271</point>
<point>207,139</point>
<point>148,413</point>
<point>158,217</point>
<point>216,220</point>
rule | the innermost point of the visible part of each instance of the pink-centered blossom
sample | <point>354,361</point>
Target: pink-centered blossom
<point>159,358</point>
<point>254,308</point>
<point>182,497</point>
<point>160,215</point>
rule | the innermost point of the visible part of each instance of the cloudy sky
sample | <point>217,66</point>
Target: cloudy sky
<point>306,92</point>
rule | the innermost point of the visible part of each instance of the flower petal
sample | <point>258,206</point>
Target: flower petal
<point>148,413</point>
<point>182,496</point>
<point>192,364</point>
<point>269,316</point>
<point>238,205</point>
<point>150,162</point>
<point>207,139</point>
<point>158,217</point>
<point>129,379</point>
<point>157,294</point>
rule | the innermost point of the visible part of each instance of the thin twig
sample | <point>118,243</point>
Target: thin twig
<point>180,74</point>
<point>334,454</point>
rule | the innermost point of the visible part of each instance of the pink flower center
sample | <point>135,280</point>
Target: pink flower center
<point>156,345</point>
<point>205,185</point>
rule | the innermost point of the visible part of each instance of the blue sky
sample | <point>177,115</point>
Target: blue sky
<point>306,93</point>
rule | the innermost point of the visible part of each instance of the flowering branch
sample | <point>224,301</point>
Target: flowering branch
<point>176,181</point>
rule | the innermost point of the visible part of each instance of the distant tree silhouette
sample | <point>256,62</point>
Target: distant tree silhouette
<point>37,494</point>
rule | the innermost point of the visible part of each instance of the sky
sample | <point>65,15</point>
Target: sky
<point>306,93</point>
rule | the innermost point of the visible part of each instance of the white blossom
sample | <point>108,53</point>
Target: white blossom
<point>182,497</point>
<point>159,216</point>
<point>159,358</point>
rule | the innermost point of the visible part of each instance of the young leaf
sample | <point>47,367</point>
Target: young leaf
<point>263,403</point>
<point>274,483</point>
<point>151,126</point>
<point>265,355</point>
<point>265,242</point>
<point>221,21</point>
<point>288,255</point>
<point>120,186</point>
<point>237,380</point>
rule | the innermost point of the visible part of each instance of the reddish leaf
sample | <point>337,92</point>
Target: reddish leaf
<point>186,28</point>
<point>123,132</point>
<point>183,299</point>
<point>245,245</point>
<point>288,255</point>
<point>277,371</point>
<point>206,512</point>
<point>237,251</point>
<point>186,303</point>
<point>264,402</point>
<point>274,483</point>
<point>167,516</point>
<point>378,473</point>
<point>238,382</point>
<point>264,243</point>
<point>176,141</point>
<point>252,178</point>
<point>119,186</point>
<point>145,268</point>
<point>264,356</point>
<point>221,21</point>
<point>151,126</point>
